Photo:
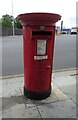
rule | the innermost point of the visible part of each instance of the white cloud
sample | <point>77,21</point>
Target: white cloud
<point>66,8</point>
<point>77,14</point>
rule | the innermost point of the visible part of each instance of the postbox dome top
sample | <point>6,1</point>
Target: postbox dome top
<point>39,18</point>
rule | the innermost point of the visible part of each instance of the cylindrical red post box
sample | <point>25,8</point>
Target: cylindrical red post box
<point>38,39</point>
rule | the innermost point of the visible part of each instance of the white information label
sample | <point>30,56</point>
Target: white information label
<point>41,47</point>
<point>40,57</point>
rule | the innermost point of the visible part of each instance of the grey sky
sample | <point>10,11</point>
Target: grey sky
<point>66,8</point>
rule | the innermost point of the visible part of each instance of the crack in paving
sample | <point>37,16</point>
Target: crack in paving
<point>39,112</point>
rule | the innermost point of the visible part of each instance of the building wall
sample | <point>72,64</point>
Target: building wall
<point>9,31</point>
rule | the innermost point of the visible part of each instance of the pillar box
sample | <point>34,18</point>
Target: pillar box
<point>38,42</point>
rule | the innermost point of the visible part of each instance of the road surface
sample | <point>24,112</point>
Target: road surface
<point>12,54</point>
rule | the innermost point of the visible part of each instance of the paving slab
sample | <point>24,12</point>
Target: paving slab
<point>21,111</point>
<point>64,81</point>
<point>59,93</point>
<point>14,93</point>
<point>56,95</point>
<point>70,91</point>
<point>64,72</point>
<point>0,103</point>
<point>1,88</point>
<point>8,102</point>
<point>61,109</point>
<point>12,86</point>
<point>67,84</point>
<point>0,108</point>
<point>0,115</point>
<point>60,104</point>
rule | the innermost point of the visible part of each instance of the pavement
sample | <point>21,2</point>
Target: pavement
<point>60,104</point>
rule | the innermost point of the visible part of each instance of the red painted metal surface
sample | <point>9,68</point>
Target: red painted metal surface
<point>39,18</point>
<point>38,73</point>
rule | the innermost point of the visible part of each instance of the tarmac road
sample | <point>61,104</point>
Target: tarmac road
<point>12,54</point>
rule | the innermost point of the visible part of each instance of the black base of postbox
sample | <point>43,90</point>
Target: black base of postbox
<point>37,95</point>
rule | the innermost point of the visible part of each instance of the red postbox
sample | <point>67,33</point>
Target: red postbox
<point>38,41</point>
